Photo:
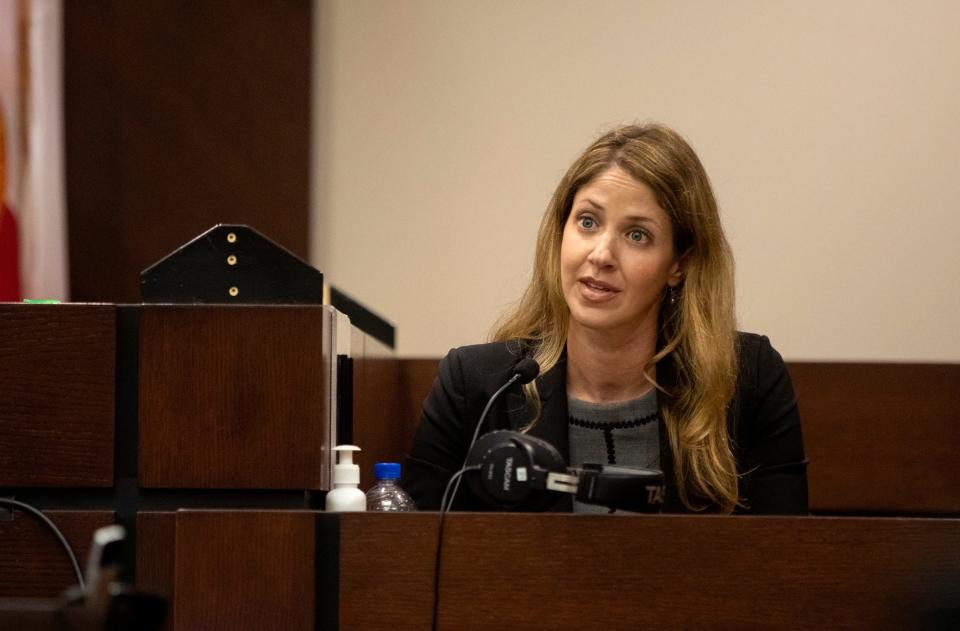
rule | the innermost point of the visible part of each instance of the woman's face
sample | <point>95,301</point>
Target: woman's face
<point>616,256</point>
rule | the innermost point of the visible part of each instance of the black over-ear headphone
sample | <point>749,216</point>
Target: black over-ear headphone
<point>514,471</point>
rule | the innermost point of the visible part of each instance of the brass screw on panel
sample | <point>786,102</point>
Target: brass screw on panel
<point>231,238</point>
<point>234,291</point>
<point>231,260</point>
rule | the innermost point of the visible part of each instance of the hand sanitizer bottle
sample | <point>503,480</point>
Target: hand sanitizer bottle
<point>346,495</point>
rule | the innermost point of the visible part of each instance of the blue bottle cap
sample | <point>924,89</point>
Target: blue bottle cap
<point>387,471</point>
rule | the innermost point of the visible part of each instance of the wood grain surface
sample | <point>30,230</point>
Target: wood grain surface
<point>245,570</point>
<point>156,556</point>
<point>180,115</point>
<point>231,397</point>
<point>47,614</point>
<point>33,563</point>
<point>503,571</point>
<point>386,408</point>
<point>387,559</point>
<point>57,394</point>
<point>881,438</point>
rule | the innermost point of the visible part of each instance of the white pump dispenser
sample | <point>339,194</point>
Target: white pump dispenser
<point>346,495</point>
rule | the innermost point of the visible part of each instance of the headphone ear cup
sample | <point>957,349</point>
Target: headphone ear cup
<point>512,470</point>
<point>502,478</point>
<point>482,447</point>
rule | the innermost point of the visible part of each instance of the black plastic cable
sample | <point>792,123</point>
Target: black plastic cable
<point>436,565</point>
<point>46,520</point>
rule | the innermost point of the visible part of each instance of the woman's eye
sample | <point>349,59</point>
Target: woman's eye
<point>586,222</point>
<point>637,235</point>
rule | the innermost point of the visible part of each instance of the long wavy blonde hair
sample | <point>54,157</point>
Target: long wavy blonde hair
<point>697,330</point>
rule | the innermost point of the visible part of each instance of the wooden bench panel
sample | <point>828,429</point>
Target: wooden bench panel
<point>57,394</point>
<point>242,570</point>
<point>232,397</point>
<point>520,571</point>
<point>881,438</point>
<point>33,563</point>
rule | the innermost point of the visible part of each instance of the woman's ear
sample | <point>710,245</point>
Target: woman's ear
<point>676,275</point>
<point>678,269</point>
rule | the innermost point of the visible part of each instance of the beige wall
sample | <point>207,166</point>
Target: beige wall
<point>831,131</point>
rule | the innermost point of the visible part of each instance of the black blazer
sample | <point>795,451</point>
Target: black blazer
<point>763,420</point>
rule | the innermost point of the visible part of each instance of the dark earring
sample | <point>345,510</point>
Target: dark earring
<point>673,296</point>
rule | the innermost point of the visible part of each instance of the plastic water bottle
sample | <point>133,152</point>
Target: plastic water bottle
<point>386,495</point>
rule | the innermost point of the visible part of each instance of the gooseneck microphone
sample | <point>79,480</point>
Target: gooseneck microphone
<point>524,371</point>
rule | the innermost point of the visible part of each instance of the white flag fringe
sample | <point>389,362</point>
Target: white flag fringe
<point>41,208</point>
<point>10,95</point>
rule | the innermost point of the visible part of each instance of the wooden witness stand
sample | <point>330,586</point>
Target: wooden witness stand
<point>306,570</point>
<point>539,571</point>
<point>210,442</point>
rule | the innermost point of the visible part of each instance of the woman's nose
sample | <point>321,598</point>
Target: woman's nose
<point>602,253</point>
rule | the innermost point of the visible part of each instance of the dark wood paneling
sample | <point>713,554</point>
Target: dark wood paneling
<point>33,563</point>
<point>387,396</point>
<point>402,583</point>
<point>100,252</point>
<point>417,376</point>
<point>245,570</point>
<point>377,427</point>
<point>232,397</point>
<point>49,614</point>
<point>180,115</point>
<point>156,540</point>
<point>57,374</point>
<point>881,437</point>
<point>156,556</point>
<point>630,572</point>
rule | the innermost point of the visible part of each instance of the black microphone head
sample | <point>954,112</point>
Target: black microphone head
<point>528,369</point>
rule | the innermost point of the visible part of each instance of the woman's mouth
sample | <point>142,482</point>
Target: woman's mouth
<point>596,290</point>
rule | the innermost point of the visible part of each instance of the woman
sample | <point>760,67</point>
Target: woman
<point>630,315</point>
